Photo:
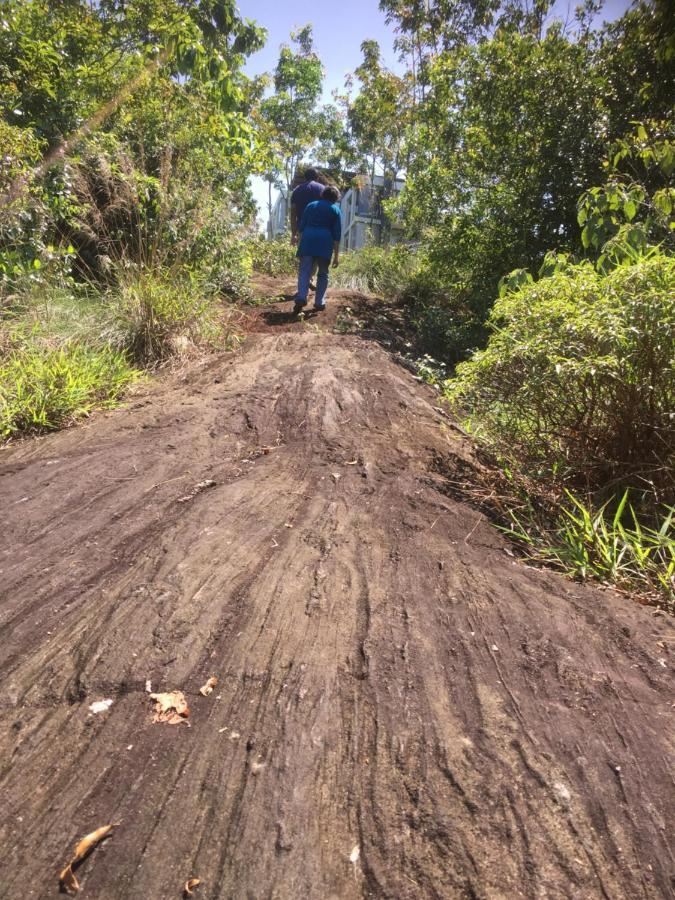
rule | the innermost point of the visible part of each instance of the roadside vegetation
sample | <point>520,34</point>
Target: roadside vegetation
<point>530,250</point>
<point>126,144</point>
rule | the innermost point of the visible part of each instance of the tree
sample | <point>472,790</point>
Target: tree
<point>380,114</point>
<point>131,102</point>
<point>291,112</point>
<point>637,61</point>
<point>507,139</point>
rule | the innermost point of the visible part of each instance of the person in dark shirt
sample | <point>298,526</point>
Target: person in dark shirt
<point>304,193</point>
<point>320,232</point>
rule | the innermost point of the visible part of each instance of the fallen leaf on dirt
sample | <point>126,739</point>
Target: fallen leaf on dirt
<point>190,884</point>
<point>67,879</point>
<point>336,476</point>
<point>354,462</point>
<point>170,707</point>
<point>354,855</point>
<point>207,688</point>
<point>148,686</point>
<point>99,706</point>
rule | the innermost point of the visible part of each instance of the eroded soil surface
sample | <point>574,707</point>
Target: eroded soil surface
<point>404,710</point>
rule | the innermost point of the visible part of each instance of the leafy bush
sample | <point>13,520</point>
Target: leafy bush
<point>273,257</point>
<point>155,315</point>
<point>578,377</point>
<point>44,387</point>
<point>446,333</point>
<point>445,330</point>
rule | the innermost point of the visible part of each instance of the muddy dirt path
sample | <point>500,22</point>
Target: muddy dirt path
<point>403,709</point>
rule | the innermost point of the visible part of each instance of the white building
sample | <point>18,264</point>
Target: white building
<point>278,222</point>
<point>362,213</point>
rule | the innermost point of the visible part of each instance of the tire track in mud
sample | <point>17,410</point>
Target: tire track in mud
<point>403,711</point>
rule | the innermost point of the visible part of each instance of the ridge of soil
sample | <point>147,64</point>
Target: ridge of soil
<point>403,710</point>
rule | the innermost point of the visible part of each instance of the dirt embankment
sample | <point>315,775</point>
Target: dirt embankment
<point>403,710</point>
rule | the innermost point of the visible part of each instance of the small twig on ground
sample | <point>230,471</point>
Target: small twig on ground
<point>168,481</point>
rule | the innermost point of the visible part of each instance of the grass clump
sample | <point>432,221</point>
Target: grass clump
<point>277,257</point>
<point>610,546</point>
<point>156,317</point>
<point>44,387</point>
<point>68,348</point>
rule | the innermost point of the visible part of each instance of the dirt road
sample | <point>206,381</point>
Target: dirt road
<point>403,710</point>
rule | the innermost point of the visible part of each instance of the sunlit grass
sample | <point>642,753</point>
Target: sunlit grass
<point>616,547</point>
<point>44,387</point>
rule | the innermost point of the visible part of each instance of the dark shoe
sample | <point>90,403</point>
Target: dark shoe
<point>312,286</point>
<point>319,308</point>
<point>298,308</point>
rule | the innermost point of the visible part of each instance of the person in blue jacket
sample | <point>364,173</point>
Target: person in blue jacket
<point>320,232</point>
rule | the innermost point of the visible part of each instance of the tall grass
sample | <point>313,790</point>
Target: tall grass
<point>66,348</point>
<point>157,317</point>
<point>43,387</point>
<point>596,543</point>
<point>380,270</point>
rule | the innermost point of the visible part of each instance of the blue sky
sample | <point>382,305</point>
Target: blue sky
<point>339,29</point>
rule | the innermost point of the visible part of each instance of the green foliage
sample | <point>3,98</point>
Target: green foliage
<point>509,117</point>
<point>609,544</point>
<point>380,114</point>
<point>125,149</point>
<point>291,112</point>
<point>158,316</point>
<point>635,61</point>
<point>506,140</point>
<point>386,271</point>
<point>143,113</point>
<point>43,387</point>
<point>636,205</point>
<point>578,378</point>
<point>62,61</point>
<point>273,257</point>
<point>448,333</point>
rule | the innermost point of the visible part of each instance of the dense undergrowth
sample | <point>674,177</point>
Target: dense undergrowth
<point>69,347</point>
<point>568,385</point>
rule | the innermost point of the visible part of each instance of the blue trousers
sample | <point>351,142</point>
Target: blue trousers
<point>304,274</point>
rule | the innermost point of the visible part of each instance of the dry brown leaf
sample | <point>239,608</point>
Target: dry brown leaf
<point>207,688</point>
<point>67,879</point>
<point>354,462</point>
<point>170,707</point>
<point>191,883</point>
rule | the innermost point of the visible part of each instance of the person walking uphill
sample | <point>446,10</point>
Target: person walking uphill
<point>311,189</point>
<point>320,232</point>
